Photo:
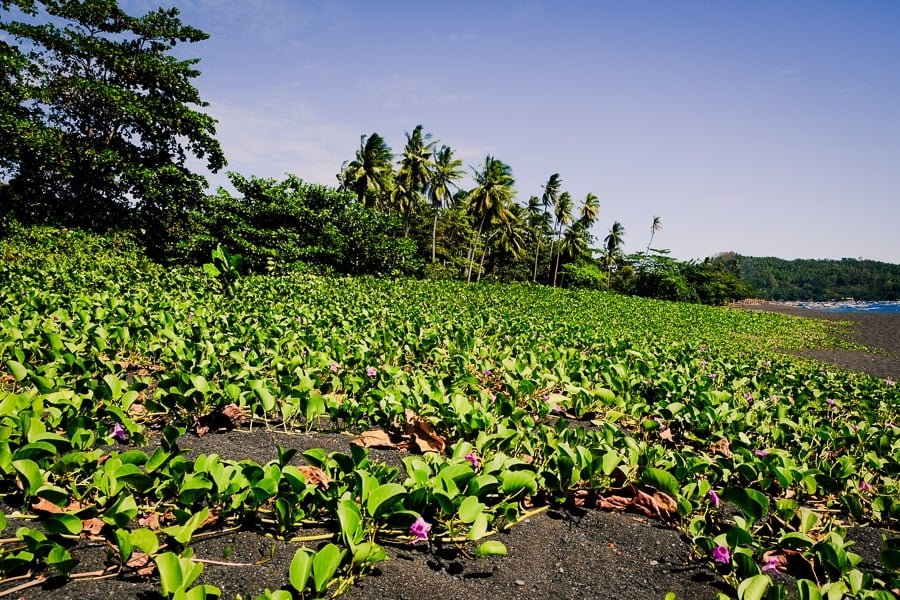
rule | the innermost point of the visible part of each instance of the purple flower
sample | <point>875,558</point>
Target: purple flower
<point>371,371</point>
<point>749,397</point>
<point>333,367</point>
<point>487,373</point>
<point>830,402</point>
<point>714,498</point>
<point>118,432</point>
<point>865,486</point>
<point>771,566</point>
<point>420,529</point>
<point>712,376</point>
<point>761,453</point>
<point>721,554</point>
<point>472,457</point>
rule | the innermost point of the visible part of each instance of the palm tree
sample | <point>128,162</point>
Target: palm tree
<point>573,244</point>
<point>370,175</point>
<point>589,211</point>
<point>548,199</point>
<point>489,199</point>
<point>613,242</point>
<point>509,234</point>
<point>447,170</point>
<point>654,227</point>
<point>563,213</point>
<point>414,173</point>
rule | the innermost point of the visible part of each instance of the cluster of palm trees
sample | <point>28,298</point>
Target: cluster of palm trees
<point>427,178</point>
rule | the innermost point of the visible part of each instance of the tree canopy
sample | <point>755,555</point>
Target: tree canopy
<point>98,117</point>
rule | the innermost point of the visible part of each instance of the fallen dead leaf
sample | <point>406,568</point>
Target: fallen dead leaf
<point>92,526</point>
<point>721,447</point>
<point>374,438</point>
<point>423,434</point>
<point>151,521</point>
<point>42,505</point>
<point>315,475</point>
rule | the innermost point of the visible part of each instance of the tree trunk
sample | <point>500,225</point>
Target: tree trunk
<point>472,251</point>
<point>434,238</point>
<point>537,253</point>
<point>481,265</point>
<point>556,269</point>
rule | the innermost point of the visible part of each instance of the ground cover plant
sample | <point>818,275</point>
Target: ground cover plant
<point>509,399</point>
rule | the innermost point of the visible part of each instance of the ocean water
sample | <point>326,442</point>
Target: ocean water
<point>852,306</point>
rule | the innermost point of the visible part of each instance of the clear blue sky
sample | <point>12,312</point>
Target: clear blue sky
<point>767,128</point>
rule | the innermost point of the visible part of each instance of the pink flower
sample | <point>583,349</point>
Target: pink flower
<point>487,373</point>
<point>714,498</point>
<point>712,376</point>
<point>472,457</point>
<point>830,402</point>
<point>749,397</point>
<point>865,486</point>
<point>721,554</point>
<point>118,432</point>
<point>761,453</point>
<point>371,371</point>
<point>333,367</point>
<point>420,529</point>
<point>771,566</point>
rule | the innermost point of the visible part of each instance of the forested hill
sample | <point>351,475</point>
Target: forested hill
<point>817,279</point>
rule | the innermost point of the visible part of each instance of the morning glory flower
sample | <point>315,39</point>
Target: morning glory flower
<point>420,529</point>
<point>721,554</point>
<point>771,566</point>
<point>761,453</point>
<point>487,373</point>
<point>714,498</point>
<point>749,397</point>
<point>865,486</point>
<point>333,367</point>
<point>371,371</point>
<point>472,457</point>
<point>118,432</point>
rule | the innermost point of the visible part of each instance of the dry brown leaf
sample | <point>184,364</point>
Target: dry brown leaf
<point>423,434</point>
<point>654,504</point>
<point>315,475</point>
<point>721,447</point>
<point>790,561</point>
<point>141,563</point>
<point>666,434</point>
<point>213,517</point>
<point>374,438</point>
<point>92,526</point>
<point>151,521</point>
<point>42,505</point>
<point>202,430</point>
<point>234,413</point>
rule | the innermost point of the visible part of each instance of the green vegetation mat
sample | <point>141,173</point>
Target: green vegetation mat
<point>531,396</point>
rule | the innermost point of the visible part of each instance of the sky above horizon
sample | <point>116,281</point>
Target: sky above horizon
<point>764,128</point>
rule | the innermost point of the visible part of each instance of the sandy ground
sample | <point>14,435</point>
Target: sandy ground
<point>560,555</point>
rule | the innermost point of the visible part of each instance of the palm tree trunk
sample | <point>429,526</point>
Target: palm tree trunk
<point>537,253</point>
<point>434,238</point>
<point>556,269</point>
<point>481,265</point>
<point>472,250</point>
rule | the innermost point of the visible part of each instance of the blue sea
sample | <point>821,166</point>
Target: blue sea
<point>851,306</point>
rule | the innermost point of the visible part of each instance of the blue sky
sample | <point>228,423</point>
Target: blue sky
<point>767,128</point>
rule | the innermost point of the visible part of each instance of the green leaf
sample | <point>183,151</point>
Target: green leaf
<point>661,480</point>
<point>382,497</point>
<point>301,567</point>
<point>754,588</point>
<point>30,475</point>
<point>63,523</point>
<point>469,509</point>
<point>18,370</point>
<point>145,540</point>
<point>490,548</point>
<point>513,482</point>
<point>60,558</point>
<point>351,522</point>
<point>170,578</point>
<point>368,553</point>
<point>324,565</point>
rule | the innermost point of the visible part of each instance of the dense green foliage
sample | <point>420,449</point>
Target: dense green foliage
<point>817,279</point>
<point>557,396</point>
<point>98,117</point>
<point>279,225</point>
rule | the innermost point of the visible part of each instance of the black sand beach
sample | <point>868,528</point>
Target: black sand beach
<point>563,555</point>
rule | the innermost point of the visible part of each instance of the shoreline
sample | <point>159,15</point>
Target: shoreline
<point>878,331</point>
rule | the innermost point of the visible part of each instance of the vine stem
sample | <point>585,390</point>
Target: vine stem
<point>311,538</point>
